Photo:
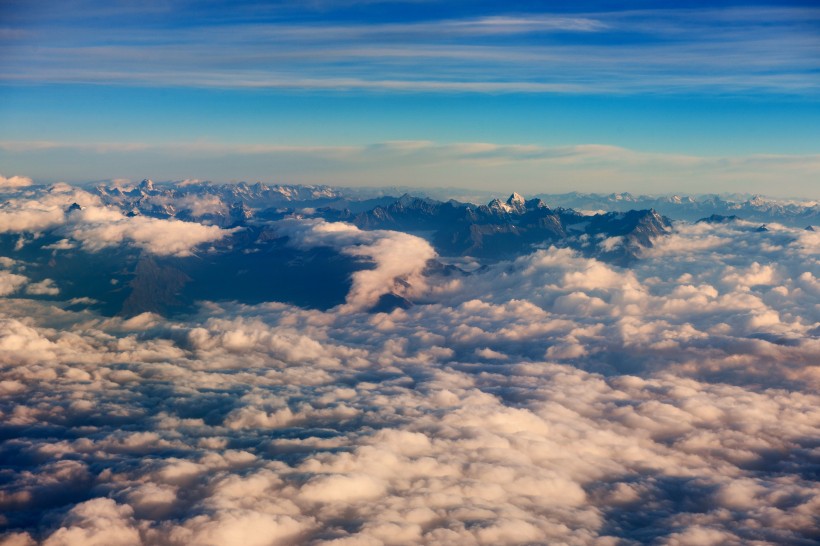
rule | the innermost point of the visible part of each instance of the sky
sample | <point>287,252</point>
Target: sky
<point>553,398</point>
<point>648,97</point>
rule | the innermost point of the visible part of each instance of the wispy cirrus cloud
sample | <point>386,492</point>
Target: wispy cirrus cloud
<point>737,50</point>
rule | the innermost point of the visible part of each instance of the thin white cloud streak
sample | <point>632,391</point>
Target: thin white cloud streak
<point>634,76</point>
<point>425,150</point>
<point>253,80</point>
<point>184,147</point>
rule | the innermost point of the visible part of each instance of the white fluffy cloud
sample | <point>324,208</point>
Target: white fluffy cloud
<point>399,258</point>
<point>31,211</point>
<point>15,181</point>
<point>28,216</point>
<point>553,399</point>
<point>11,282</point>
<point>97,228</point>
<point>98,522</point>
<point>45,287</point>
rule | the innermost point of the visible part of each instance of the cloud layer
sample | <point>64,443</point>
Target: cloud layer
<point>549,399</point>
<point>466,48</point>
<point>487,165</point>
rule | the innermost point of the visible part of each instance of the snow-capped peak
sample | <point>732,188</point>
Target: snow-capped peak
<point>515,199</point>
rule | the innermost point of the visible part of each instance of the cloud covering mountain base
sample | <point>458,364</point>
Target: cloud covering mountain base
<point>549,399</point>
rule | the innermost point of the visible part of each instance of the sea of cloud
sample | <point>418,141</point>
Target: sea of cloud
<point>552,399</point>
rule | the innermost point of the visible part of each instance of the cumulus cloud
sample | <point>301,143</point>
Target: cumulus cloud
<point>97,228</point>
<point>46,287</point>
<point>98,522</point>
<point>33,211</point>
<point>200,205</point>
<point>11,282</point>
<point>399,258</point>
<point>14,181</point>
<point>550,399</point>
<point>28,216</point>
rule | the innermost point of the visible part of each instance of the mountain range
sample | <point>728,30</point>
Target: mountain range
<point>257,262</point>
<point>228,204</point>
<point>755,208</point>
<point>497,230</point>
<point>504,229</point>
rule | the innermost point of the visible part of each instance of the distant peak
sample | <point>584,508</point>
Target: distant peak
<point>147,184</point>
<point>407,201</point>
<point>515,199</point>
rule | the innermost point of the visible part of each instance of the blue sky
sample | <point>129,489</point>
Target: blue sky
<point>540,96</point>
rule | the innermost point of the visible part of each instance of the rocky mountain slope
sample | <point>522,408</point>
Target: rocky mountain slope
<point>504,229</point>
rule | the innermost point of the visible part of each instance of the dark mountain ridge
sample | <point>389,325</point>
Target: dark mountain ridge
<point>222,204</point>
<point>497,230</point>
<point>504,229</point>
